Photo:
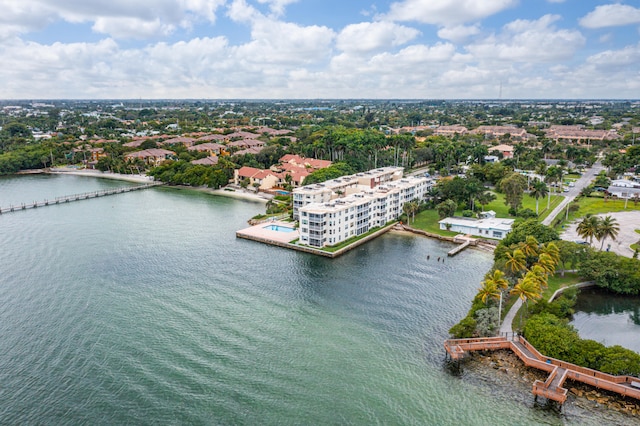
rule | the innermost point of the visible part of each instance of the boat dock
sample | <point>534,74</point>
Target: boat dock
<point>77,197</point>
<point>559,371</point>
<point>464,241</point>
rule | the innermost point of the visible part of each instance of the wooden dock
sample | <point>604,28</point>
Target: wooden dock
<point>464,241</point>
<point>559,371</point>
<point>77,197</point>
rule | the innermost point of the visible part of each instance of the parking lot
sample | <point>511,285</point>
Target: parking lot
<point>628,222</point>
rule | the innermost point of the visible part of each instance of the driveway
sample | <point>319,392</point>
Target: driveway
<point>574,191</point>
<point>628,222</point>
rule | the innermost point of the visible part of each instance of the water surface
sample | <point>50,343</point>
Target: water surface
<point>143,308</point>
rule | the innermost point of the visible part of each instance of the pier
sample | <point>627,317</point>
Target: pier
<point>559,371</point>
<point>464,241</point>
<point>77,197</point>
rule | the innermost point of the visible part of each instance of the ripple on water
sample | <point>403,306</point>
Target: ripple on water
<point>145,308</point>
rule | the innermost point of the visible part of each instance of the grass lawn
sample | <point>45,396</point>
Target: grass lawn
<point>428,221</point>
<point>554,284</point>
<point>598,205</point>
<point>528,202</point>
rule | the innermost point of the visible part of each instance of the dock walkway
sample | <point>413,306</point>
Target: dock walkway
<point>77,197</point>
<point>559,371</point>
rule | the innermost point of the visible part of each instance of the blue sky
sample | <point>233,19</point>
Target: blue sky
<point>217,49</point>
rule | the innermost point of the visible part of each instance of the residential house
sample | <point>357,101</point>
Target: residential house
<point>489,227</point>
<point>152,157</point>
<point>450,130</point>
<point>212,148</point>
<point>260,179</point>
<point>206,161</point>
<point>495,132</point>
<point>505,150</point>
<point>578,134</point>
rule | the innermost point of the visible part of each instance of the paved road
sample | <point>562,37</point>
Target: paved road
<point>574,191</point>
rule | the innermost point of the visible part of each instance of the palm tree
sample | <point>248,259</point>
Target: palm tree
<point>546,263</point>
<point>552,250</point>
<point>516,261</point>
<point>608,228</point>
<point>530,246</point>
<point>589,226</point>
<point>497,282</point>
<point>527,289</point>
<point>538,190</point>
<point>488,290</point>
<point>485,198</point>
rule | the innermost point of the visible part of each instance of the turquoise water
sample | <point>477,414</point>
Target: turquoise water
<point>143,308</point>
<point>279,228</point>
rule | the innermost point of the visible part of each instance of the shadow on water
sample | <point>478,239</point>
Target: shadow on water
<point>598,302</point>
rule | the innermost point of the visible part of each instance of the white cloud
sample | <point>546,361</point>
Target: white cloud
<point>530,42</point>
<point>458,33</point>
<point>616,59</point>
<point>138,19</point>
<point>373,36</point>
<point>611,15</point>
<point>282,42</point>
<point>556,1</point>
<point>277,6</point>
<point>132,27</point>
<point>446,12</point>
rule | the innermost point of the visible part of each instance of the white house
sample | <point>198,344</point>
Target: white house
<point>490,227</point>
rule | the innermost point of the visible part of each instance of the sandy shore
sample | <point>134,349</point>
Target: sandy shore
<point>239,194</point>
<point>99,174</point>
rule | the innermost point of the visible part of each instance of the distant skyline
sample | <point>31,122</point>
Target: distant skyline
<point>309,49</point>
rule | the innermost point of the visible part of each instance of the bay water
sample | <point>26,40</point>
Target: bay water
<point>144,308</point>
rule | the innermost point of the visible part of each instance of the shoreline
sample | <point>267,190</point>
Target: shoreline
<point>235,193</point>
<point>97,174</point>
<point>504,370</point>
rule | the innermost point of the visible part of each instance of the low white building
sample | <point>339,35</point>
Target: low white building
<point>338,218</point>
<point>490,227</point>
<point>625,192</point>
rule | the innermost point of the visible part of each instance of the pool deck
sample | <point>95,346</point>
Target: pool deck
<point>259,233</point>
<point>284,239</point>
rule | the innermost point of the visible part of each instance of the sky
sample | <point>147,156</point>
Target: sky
<point>311,49</point>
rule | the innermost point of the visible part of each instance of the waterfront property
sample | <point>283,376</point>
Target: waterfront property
<point>488,227</point>
<point>346,185</point>
<point>334,211</point>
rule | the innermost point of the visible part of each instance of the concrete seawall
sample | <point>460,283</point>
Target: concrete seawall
<point>311,250</point>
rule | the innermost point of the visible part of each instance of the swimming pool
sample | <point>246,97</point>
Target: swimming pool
<point>278,228</point>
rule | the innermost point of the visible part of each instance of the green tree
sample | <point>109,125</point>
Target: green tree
<point>485,198</point>
<point>516,261</point>
<point>513,186</point>
<point>588,227</point>
<point>538,190</point>
<point>607,228</point>
<point>446,209</point>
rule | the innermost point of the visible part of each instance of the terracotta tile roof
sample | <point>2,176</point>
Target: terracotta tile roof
<point>207,161</point>
<point>213,137</point>
<point>153,152</point>
<point>182,140</point>
<point>209,146</point>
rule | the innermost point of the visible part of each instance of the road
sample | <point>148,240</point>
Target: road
<point>574,191</point>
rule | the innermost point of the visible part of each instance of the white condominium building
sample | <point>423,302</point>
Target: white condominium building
<point>346,185</point>
<point>327,218</point>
